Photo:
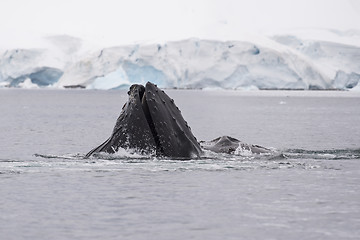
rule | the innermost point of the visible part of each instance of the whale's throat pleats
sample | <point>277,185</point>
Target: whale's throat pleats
<point>150,121</point>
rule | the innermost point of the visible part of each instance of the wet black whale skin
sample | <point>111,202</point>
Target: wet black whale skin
<point>150,122</point>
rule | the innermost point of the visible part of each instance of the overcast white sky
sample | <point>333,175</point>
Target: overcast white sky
<point>119,21</point>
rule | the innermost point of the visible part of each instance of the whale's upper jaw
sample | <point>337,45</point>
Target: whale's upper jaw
<point>150,121</point>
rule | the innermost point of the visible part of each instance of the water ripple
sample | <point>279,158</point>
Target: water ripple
<point>212,162</point>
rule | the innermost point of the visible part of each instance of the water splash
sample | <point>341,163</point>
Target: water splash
<point>131,161</point>
<point>332,154</point>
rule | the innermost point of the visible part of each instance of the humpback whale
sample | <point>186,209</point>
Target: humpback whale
<point>226,144</point>
<point>151,123</point>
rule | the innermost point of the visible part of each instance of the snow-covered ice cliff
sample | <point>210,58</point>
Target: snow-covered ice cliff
<point>279,62</point>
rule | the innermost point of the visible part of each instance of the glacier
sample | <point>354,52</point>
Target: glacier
<point>276,62</point>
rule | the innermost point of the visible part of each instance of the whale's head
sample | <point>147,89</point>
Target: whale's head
<point>151,122</point>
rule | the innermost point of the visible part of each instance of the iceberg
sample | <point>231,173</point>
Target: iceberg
<point>278,62</point>
<point>28,84</point>
<point>41,77</point>
<point>337,55</point>
<point>41,66</point>
<point>113,80</point>
<point>345,80</point>
<point>197,63</point>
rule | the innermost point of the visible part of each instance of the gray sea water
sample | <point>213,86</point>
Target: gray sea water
<point>307,189</point>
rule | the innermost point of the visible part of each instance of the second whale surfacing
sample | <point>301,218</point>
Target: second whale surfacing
<point>230,145</point>
<point>151,123</point>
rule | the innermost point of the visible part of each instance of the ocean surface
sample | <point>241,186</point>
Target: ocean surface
<point>308,188</point>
